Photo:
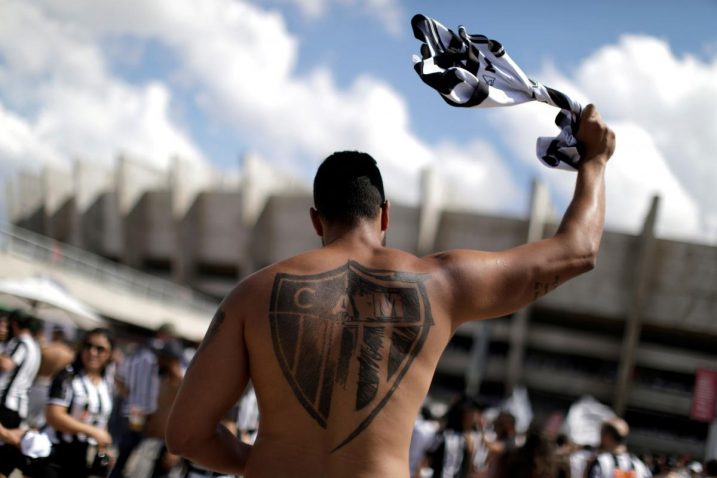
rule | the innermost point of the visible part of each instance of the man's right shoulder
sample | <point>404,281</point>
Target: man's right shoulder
<point>255,289</point>
<point>306,263</point>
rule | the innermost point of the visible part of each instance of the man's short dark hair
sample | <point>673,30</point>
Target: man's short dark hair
<point>613,433</point>
<point>23,320</point>
<point>348,187</point>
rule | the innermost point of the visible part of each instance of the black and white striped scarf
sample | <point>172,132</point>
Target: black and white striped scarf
<point>474,71</point>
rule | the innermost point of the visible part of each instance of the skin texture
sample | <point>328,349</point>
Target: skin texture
<point>56,355</point>
<point>251,337</point>
<point>157,421</point>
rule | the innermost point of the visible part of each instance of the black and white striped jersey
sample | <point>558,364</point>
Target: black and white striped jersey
<point>84,400</point>
<point>605,465</point>
<point>475,71</point>
<point>14,384</point>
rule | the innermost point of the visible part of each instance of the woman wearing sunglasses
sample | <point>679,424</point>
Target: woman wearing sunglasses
<point>78,408</point>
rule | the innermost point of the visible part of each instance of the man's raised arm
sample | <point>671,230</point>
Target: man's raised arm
<point>487,284</point>
<point>213,383</point>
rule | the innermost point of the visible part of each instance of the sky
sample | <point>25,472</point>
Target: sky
<point>293,80</point>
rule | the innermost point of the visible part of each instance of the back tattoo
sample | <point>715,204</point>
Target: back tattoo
<point>346,338</point>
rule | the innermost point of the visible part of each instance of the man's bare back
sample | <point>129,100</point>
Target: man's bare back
<point>56,355</point>
<point>345,359</point>
<point>341,342</point>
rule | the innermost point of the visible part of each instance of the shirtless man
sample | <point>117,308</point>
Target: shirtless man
<point>341,342</point>
<point>157,462</point>
<point>56,355</point>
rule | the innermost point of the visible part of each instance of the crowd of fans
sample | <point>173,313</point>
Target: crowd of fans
<point>469,441</point>
<point>96,409</point>
<point>92,408</point>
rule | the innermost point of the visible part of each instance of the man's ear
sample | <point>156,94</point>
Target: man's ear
<point>385,207</point>
<point>316,221</point>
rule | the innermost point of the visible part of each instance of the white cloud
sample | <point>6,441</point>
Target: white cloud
<point>62,102</point>
<point>476,177</point>
<point>243,60</point>
<point>664,111</point>
<point>18,142</point>
<point>386,12</point>
<point>673,98</point>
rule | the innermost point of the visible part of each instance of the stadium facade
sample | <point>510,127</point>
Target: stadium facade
<point>632,333</point>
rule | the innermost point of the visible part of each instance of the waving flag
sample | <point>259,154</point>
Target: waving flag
<point>474,71</point>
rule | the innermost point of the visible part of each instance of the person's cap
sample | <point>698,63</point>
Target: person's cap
<point>172,350</point>
<point>168,329</point>
<point>619,425</point>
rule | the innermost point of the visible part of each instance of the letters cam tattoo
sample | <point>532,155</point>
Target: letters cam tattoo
<point>346,338</point>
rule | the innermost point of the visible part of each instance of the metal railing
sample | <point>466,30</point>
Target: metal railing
<point>29,245</point>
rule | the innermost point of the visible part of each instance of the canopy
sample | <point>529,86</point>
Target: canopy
<point>48,300</point>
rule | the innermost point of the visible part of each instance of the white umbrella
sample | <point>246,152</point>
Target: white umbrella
<point>46,299</point>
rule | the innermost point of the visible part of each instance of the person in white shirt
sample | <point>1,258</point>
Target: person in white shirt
<point>613,458</point>
<point>19,363</point>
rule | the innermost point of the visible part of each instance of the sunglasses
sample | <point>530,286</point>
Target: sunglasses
<point>98,348</point>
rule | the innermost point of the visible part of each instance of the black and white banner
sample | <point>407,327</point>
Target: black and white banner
<point>474,71</point>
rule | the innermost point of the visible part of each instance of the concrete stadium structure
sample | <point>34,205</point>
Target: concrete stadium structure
<point>632,333</point>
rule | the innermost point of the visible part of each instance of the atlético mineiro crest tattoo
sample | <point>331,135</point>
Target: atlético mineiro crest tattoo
<point>346,338</point>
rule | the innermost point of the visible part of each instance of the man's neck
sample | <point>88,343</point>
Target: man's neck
<point>364,233</point>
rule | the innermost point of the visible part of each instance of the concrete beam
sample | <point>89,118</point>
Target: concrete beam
<point>539,213</point>
<point>431,207</point>
<point>631,338</point>
<point>133,180</point>
<point>260,181</point>
<point>59,190</point>
<point>89,182</point>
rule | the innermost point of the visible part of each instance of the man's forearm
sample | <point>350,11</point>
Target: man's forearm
<point>222,452</point>
<point>5,434</point>
<point>582,224</point>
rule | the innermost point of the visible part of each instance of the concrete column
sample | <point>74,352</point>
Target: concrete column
<point>90,181</point>
<point>12,204</point>
<point>711,449</point>
<point>31,202</point>
<point>631,337</point>
<point>58,188</point>
<point>539,212</point>
<point>187,179</point>
<point>431,206</point>
<point>134,178</point>
<point>259,182</point>
<point>478,358</point>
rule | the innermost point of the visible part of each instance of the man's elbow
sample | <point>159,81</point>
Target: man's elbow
<point>583,252</point>
<point>587,260</point>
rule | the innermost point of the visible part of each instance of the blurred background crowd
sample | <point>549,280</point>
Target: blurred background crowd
<point>97,405</point>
